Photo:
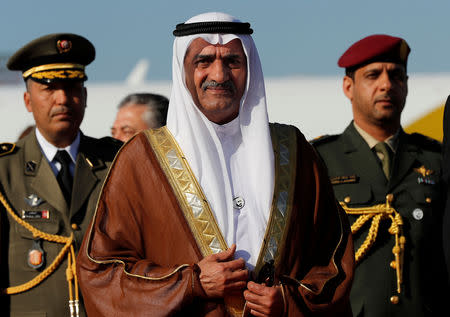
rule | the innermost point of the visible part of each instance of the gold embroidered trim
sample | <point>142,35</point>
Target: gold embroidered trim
<point>192,201</point>
<point>54,66</point>
<point>64,74</point>
<point>284,142</point>
<point>189,194</point>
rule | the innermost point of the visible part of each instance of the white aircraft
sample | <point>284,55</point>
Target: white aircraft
<point>315,104</point>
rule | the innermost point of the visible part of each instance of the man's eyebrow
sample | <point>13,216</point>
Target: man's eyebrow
<point>230,55</point>
<point>233,55</point>
<point>200,56</point>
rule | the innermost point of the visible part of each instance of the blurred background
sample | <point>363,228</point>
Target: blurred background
<point>299,43</point>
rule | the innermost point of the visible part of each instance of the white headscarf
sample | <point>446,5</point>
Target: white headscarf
<point>200,143</point>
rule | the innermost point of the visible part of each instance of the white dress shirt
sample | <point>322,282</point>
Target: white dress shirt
<point>49,151</point>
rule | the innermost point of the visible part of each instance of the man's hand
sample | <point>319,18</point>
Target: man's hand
<point>264,301</point>
<point>220,274</point>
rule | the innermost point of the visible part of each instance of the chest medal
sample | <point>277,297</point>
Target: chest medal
<point>36,255</point>
<point>424,175</point>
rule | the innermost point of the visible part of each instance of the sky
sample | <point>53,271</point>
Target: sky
<point>293,37</point>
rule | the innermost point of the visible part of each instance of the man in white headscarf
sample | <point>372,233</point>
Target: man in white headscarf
<point>219,213</point>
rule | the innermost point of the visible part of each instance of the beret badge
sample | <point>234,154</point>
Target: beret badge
<point>64,46</point>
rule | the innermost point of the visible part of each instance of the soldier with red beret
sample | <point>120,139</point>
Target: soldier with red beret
<point>388,183</point>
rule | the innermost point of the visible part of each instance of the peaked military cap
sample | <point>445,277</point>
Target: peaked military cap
<point>375,48</point>
<point>54,57</point>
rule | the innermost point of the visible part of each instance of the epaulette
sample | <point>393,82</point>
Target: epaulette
<point>6,148</point>
<point>323,139</point>
<point>426,142</point>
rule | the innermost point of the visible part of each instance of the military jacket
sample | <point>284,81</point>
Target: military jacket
<point>31,189</point>
<point>358,180</point>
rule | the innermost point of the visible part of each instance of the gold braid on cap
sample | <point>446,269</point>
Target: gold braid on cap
<point>66,74</point>
<point>378,213</point>
<point>47,67</point>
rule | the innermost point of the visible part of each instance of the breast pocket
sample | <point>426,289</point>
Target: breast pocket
<point>423,200</point>
<point>353,194</point>
<point>23,240</point>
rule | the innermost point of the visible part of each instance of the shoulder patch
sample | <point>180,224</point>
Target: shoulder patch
<point>6,148</point>
<point>426,142</point>
<point>323,139</point>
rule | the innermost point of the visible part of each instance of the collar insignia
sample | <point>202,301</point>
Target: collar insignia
<point>30,167</point>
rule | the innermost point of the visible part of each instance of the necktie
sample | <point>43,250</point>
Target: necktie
<point>383,148</point>
<point>64,177</point>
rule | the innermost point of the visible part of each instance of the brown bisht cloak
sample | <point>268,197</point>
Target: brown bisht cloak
<point>139,257</point>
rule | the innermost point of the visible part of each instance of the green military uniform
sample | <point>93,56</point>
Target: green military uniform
<point>358,180</point>
<point>31,188</point>
<point>43,217</point>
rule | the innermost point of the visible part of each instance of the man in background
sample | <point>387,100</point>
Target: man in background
<point>138,112</point>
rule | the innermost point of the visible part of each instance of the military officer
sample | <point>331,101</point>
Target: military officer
<point>388,182</point>
<point>49,181</point>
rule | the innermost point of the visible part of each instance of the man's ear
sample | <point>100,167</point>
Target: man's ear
<point>27,100</point>
<point>347,86</point>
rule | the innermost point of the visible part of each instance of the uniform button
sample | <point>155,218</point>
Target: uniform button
<point>428,200</point>
<point>347,199</point>
<point>393,265</point>
<point>390,197</point>
<point>75,226</point>
<point>394,299</point>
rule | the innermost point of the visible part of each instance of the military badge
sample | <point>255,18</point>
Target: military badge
<point>424,177</point>
<point>344,179</point>
<point>417,214</point>
<point>64,46</point>
<point>30,167</point>
<point>33,200</point>
<point>35,214</point>
<point>36,256</point>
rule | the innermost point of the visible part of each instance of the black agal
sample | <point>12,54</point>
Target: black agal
<point>184,29</point>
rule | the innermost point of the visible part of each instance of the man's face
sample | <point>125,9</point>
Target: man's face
<point>216,76</point>
<point>129,121</point>
<point>378,93</point>
<point>58,109</point>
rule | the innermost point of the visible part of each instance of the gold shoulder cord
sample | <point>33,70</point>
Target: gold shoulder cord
<point>378,213</point>
<point>68,249</point>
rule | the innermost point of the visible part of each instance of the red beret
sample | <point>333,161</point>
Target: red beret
<point>375,48</point>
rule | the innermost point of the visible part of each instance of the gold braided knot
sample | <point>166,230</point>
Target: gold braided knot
<point>68,249</point>
<point>378,213</point>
